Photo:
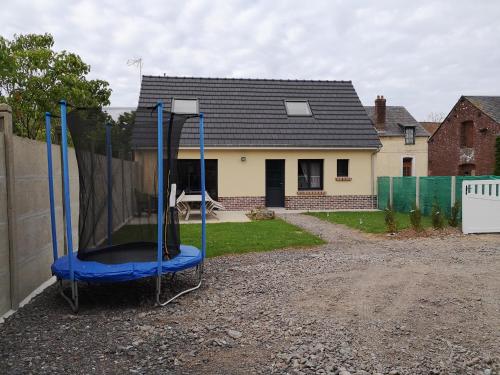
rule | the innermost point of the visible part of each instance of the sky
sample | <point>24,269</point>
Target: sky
<point>419,54</point>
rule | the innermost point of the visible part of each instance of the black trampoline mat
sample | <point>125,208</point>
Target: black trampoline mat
<point>123,253</point>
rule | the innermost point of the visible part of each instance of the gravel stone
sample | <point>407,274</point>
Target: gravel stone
<point>360,304</point>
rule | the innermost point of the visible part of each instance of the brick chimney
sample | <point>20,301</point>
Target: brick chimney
<point>380,113</point>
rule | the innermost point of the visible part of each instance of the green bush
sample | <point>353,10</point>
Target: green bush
<point>416,218</point>
<point>390,219</point>
<point>437,216</point>
<point>455,214</point>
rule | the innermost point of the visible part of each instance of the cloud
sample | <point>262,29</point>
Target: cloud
<point>422,55</point>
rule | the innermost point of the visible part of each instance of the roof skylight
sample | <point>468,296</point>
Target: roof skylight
<point>297,108</point>
<point>185,106</point>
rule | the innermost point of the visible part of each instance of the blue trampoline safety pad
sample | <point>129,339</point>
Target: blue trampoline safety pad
<point>89,271</point>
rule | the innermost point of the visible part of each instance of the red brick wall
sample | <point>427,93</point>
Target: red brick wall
<point>445,153</point>
<point>330,202</point>
<point>242,203</point>
<point>304,202</point>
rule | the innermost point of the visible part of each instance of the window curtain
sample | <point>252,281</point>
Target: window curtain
<point>304,165</point>
<point>315,175</point>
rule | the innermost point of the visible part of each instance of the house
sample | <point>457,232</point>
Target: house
<point>464,143</point>
<point>296,144</point>
<point>404,141</point>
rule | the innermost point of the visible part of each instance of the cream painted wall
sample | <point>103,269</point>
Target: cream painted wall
<point>238,178</point>
<point>389,160</point>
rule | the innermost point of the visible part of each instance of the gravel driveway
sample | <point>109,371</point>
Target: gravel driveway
<point>358,305</point>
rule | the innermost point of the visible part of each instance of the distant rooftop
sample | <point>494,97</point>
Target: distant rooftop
<point>430,126</point>
<point>397,117</point>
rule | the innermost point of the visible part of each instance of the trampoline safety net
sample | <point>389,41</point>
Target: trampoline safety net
<point>119,188</point>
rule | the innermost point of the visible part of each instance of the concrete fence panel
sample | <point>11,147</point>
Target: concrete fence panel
<point>25,240</point>
<point>34,243</point>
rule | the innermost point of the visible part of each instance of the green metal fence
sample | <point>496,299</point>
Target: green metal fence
<point>405,191</point>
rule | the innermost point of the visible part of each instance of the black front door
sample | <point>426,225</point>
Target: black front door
<point>275,183</point>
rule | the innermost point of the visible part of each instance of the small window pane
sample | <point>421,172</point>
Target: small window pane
<point>410,136</point>
<point>185,106</point>
<point>297,108</point>
<point>342,167</point>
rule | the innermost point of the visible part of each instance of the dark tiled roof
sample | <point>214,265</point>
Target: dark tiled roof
<point>395,119</point>
<point>430,126</point>
<point>251,113</point>
<point>488,104</point>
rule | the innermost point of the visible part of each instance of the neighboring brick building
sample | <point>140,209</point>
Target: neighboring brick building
<point>464,143</point>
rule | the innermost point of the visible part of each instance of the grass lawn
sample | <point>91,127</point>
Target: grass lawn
<point>230,238</point>
<point>371,221</point>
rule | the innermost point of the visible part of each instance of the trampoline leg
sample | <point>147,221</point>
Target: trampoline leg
<point>73,300</point>
<point>199,273</point>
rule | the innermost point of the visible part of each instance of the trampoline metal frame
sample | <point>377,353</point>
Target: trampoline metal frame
<point>72,299</point>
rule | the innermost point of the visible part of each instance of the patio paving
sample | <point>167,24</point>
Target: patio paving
<point>195,218</point>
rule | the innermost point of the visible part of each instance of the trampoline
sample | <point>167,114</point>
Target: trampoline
<point>116,242</point>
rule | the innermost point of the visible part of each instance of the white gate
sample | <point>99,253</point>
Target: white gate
<point>480,206</point>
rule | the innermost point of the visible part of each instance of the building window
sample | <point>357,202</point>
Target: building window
<point>185,106</point>
<point>407,166</point>
<point>342,167</point>
<point>310,174</point>
<point>409,136</point>
<point>189,176</point>
<point>297,108</point>
<point>467,134</point>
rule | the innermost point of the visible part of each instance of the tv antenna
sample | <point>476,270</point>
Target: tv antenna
<point>137,62</point>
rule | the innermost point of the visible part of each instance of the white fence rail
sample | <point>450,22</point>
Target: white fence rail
<point>480,206</point>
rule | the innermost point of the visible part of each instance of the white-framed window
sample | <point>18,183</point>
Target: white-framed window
<point>297,108</point>
<point>409,135</point>
<point>185,106</point>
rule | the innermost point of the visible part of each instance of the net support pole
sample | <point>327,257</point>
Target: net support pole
<point>67,204</point>
<point>73,301</point>
<point>48,131</point>
<point>109,165</point>
<point>199,267</point>
<point>159,108</point>
<point>203,194</point>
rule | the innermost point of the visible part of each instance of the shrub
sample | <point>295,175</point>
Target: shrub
<point>390,219</point>
<point>416,218</point>
<point>455,213</point>
<point>437,216</point>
